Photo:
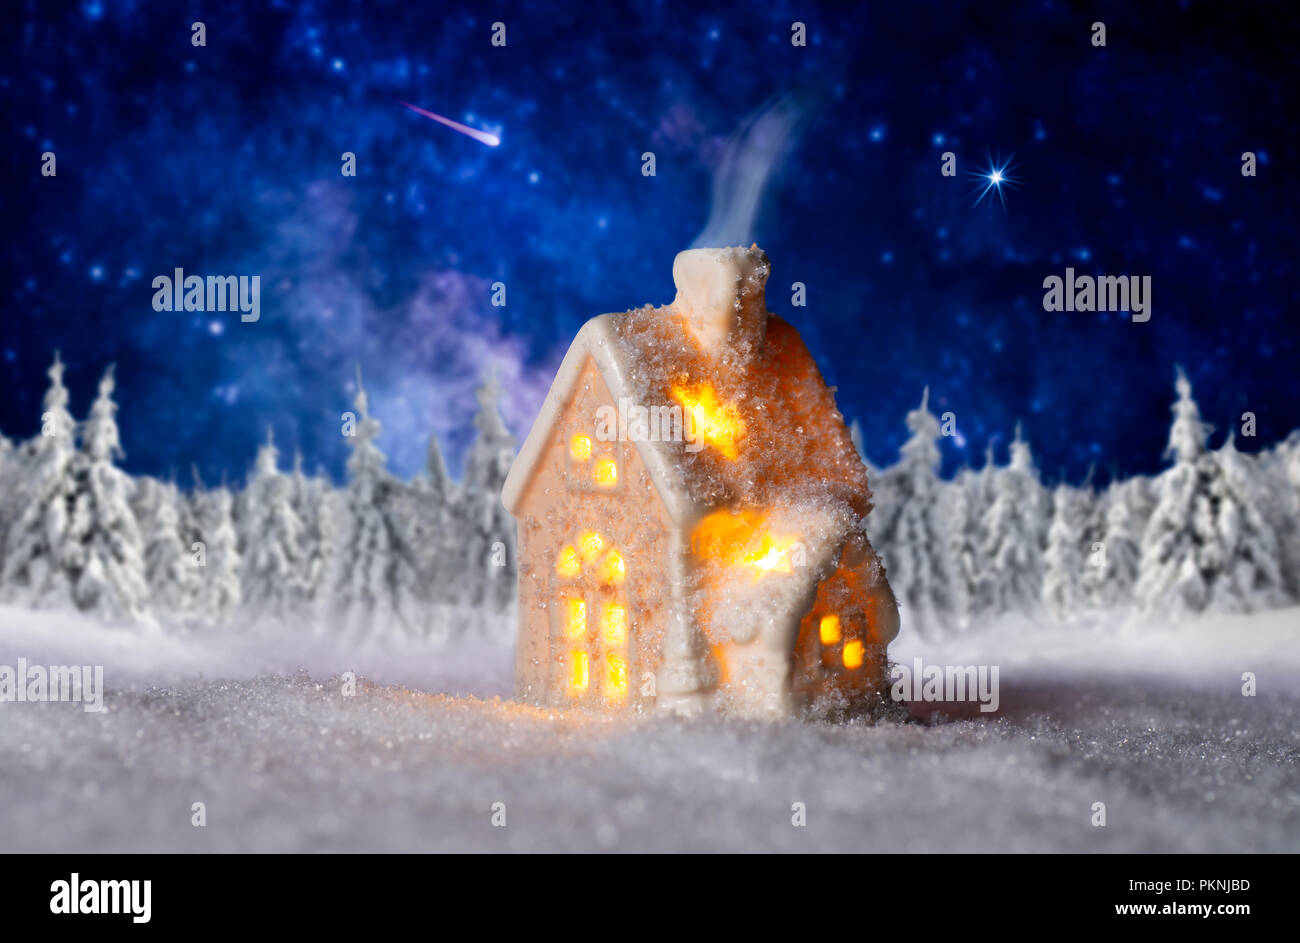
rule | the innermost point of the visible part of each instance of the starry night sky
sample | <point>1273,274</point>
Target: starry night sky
<point>226,159</point>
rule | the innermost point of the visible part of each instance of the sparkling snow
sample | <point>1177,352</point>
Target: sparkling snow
<point>256,727</point>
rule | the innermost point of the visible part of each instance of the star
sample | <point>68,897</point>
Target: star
<point>997,175</point>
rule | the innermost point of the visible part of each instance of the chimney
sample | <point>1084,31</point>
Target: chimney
<point>720,294</point>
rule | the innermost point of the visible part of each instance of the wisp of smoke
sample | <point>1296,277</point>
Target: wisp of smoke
<point>748,160</point>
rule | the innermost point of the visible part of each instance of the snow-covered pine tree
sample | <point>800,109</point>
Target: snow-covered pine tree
<point>379,581</point>
<point>271,541</point>
<point>967,499</point>
<point>1092,546</point>
<point>1285,470</point>
<point>1014,527</point>
<point>1170,574</point>
<point>431,527</point>
<point>1112,560</point>
<point>1064,559</point>
<point>1206,543</point>
<point>314,507</point>
<point>170,573</point>
<point>439,486</point>
<point>36,558</point>
<point>144,491</point>
<point>219,593</point>
<point>109,561</point>
<point>488,530</point>
<point>1248,571</point>
<point>1092,515</point>
<point>188,509</point>
<point>912,540</point>
<point>953,503</point>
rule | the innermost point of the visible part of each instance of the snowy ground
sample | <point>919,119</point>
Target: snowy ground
<point>1152,723</point>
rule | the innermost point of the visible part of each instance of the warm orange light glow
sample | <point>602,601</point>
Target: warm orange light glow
<point>725,536</point>
<point>615,677</point>
<point>613,569</point>
<point>579,671</point>
<point>568,565</point>
<point>720,659</point>
<point>715,421</point>
<point>575,618</point>
<point>772,555</point>
<point>829,628</point>
<point>853,654</point>
<point>590,543</point>
<point>606,473</point>
<point>741,540</point>
<point>580,447</point>
<point>613,625</point>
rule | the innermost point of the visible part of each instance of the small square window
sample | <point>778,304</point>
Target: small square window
<point>605,474</point>
<point>853,654</point>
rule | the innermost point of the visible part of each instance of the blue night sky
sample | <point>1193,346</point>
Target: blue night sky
<point>226,160</point>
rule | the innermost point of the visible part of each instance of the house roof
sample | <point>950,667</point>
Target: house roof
<point>794,451</point>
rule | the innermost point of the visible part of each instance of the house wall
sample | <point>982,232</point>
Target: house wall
<point>857,594</point>
<point>561,503</point>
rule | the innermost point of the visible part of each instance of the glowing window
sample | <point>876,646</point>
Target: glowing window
<point>853,654</point>
<point>714,420</point>
<point>606,473</point>
<point>829,628</point>
<point>590,544</point>
<point>743,539</point>
<point>580,447</point>
<point>579,671</point>
<point>568,565</point>
<point>575,618</point>
<point>772,555</point>
<point>615,677</point>
<point>613,625</point>
<point>613,569</point>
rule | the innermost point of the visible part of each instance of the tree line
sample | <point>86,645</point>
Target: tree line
<point>430,557</point>
<point>380,555</point>
<point>1217,530</point>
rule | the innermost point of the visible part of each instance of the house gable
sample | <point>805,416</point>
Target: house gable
<point>593,547</point>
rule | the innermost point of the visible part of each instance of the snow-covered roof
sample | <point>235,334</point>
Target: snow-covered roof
<point>718,350</point>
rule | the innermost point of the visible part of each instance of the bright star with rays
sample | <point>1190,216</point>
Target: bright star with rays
<point>996,177</point>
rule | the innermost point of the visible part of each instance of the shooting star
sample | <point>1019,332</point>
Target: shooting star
<point>483,137</point>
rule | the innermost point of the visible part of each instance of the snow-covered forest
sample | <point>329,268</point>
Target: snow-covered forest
<point>426,558</point>
<point>1218,530</point>
<point>431,558</point>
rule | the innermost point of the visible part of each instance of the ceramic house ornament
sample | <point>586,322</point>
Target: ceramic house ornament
<point>691,512</point>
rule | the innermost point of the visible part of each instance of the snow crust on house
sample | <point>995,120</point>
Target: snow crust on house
<point>803,544</point>
<point>791,444</point>
<point>717,350</point>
